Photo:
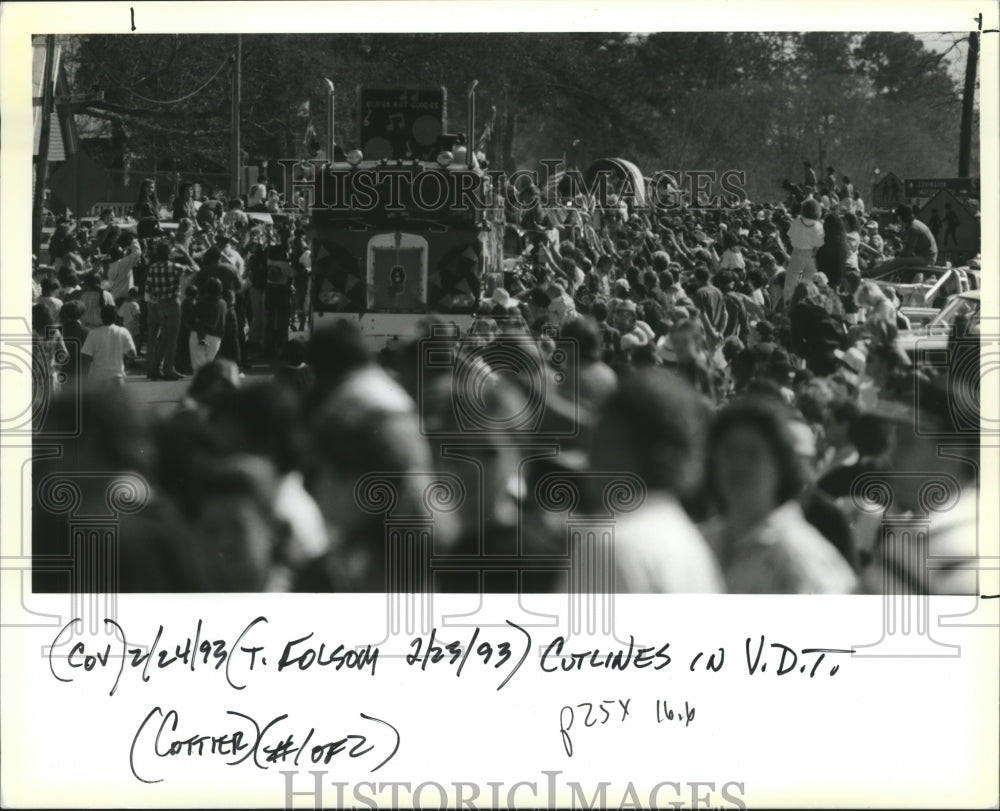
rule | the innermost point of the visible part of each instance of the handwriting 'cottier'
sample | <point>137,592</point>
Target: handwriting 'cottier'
<point>245,739</point>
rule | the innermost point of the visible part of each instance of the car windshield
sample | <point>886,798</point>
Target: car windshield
<point>959,305</point>
<point>909,276</point>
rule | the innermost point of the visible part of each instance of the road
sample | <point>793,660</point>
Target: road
<point>158,398</point>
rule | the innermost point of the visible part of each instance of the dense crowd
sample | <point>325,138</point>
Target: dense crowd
<point>739,361</point>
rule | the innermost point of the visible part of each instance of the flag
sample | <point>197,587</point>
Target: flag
<point>488,129</point>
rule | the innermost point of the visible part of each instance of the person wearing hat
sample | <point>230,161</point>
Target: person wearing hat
<point>634,339</point>
<point>806,236</point>
<point>637,345</point>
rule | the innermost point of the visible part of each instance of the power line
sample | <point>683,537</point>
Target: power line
<point>189,95</point>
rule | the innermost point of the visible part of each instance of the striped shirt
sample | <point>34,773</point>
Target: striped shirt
<point>163,281</point>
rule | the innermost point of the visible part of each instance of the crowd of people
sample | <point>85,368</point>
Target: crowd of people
<point>191,281</point>
<point>739,361</point>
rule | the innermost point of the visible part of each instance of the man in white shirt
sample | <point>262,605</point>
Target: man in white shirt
<point>108,346</point>
<point>120,276</point>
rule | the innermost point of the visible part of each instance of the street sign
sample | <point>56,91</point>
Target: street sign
<point>954,227</point>
<point>928,187</point>
<point>888,192</point>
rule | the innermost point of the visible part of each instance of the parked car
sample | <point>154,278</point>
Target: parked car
<point>922,296</point>
<point>905,280</point>
<point>933,336</point>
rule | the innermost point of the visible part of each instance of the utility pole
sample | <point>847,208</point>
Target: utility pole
<point>234,158</point>
<point>331,138</point>
<point>42,161</point>
<point>968,96</point>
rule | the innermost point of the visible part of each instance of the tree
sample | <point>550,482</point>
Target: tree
<point>756,101</point>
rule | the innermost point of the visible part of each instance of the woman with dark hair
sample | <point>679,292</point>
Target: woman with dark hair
<point>832,256</point>
<point>184,207</point>
<point>853,228</point>
<point>147,211</point>
<point>762,539</point>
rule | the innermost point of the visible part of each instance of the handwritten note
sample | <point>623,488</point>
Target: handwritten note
<point>166,732</point>
<point>239,659</point>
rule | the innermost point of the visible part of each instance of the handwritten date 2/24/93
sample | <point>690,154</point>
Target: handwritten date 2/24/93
<point>72,655</point>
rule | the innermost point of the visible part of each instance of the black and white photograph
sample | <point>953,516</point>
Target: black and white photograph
<point>555,317</point>
<point>467,277</point>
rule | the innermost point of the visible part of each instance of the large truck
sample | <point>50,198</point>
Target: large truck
<point>405,225</point>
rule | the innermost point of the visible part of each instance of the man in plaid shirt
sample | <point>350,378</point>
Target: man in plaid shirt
<point>163,294</point>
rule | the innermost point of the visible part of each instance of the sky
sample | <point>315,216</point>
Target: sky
<point>939,41</point>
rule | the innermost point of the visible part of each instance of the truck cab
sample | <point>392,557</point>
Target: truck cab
<point>402,235</point>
